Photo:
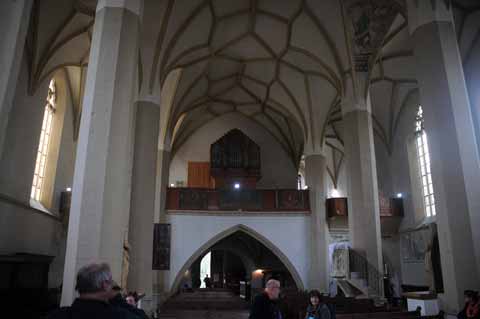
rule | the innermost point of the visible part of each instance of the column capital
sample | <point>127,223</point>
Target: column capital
<point>422,12</point>
<point>135,6</point>
<point>311,149</point>
<point>149,98</point>
<point>355,101</point>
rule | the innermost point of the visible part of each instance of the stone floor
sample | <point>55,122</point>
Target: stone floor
<point>205,304</point>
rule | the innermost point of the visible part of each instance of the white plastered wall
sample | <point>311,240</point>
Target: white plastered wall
<point>289,234</point>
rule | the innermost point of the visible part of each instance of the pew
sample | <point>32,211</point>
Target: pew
<point>380,315</point>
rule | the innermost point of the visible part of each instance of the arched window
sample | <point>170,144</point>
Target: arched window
<point>423,155</point>
<point>45,135</point>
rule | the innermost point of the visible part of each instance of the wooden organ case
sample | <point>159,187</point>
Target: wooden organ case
<point>235,159</point>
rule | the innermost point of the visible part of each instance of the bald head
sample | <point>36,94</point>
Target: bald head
<point>272,288</point>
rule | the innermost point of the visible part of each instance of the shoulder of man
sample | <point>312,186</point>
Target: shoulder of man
<point>140,313</point>
<point>262,296</point>
<point>61,313</point>
<point>124,313</point>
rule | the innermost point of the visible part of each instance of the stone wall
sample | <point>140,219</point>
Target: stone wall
<point>23,228</point>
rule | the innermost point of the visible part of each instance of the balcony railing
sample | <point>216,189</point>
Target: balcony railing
<point>266,200</point>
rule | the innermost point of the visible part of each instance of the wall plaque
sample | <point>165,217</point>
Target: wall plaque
<point>161,247</point>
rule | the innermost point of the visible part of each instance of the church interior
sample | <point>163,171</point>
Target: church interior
<point>202,147</point>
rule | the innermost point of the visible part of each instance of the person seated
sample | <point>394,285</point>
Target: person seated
<point>316,309</point>
<point>472,306</point>
<point>94,285</point>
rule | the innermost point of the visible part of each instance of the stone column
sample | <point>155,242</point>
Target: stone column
<point>162,176</point>
<point>315,169</point>
<point>101,187</point>
<point>455,164</point>
<point>363,203</point>
<point>14,20</point>
<point>142,207</point>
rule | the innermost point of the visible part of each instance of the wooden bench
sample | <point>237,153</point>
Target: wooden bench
<point>380,315</point>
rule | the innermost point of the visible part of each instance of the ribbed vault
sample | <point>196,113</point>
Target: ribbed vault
<point>59,37</point>
<point>281,64</point>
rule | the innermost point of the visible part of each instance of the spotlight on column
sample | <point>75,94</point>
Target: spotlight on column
<point>335,193</point>
<point>236,186</point>
<point>399,195</point>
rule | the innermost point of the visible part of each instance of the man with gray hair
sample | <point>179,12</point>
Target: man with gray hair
<point>264,306</point>
<point>94,286</point>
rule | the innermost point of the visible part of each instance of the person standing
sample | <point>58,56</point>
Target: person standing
<point>265,304</point>
<point>316,309</point>
<point>208,282</point>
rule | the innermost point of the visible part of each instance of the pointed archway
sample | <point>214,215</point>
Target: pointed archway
<point>250,232</point>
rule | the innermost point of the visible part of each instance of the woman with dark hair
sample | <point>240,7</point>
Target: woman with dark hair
<point>472,306</point>
<point>316,309</point>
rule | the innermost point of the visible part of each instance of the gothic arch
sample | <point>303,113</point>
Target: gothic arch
<point>203,249</point>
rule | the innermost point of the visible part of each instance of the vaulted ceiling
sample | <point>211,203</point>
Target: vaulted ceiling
<point>282,64</point>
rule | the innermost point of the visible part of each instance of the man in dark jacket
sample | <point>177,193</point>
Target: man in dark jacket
<point>94,284</point>
<point>264,306</point>
<point>120,302</point>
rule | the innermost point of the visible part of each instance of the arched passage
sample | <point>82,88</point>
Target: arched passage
<point>242,229</point>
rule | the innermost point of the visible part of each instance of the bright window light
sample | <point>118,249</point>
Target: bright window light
<point>205,268</point>
<point>423,155</point>
<point>334,193</point>
<point>42,152</point>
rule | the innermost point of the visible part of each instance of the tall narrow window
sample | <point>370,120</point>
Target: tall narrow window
<point>42,154</point>
<point>424,164</point>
